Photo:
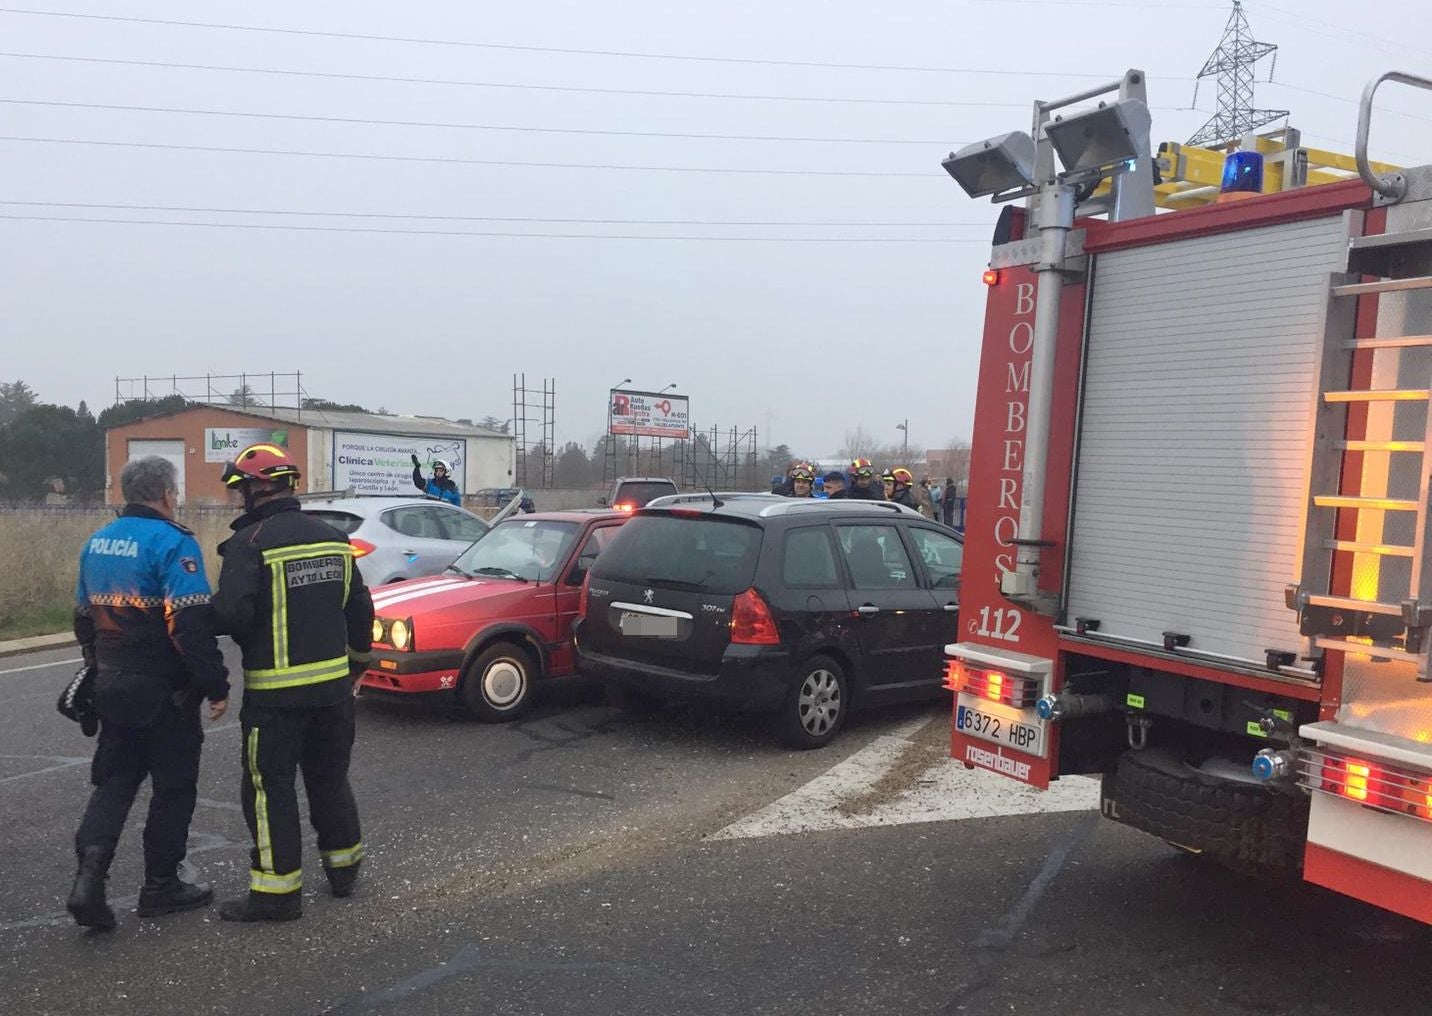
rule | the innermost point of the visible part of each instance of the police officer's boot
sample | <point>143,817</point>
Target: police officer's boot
<point>341,880</point>
<point>87,903</point>
<point>263,907</point>
<point>171,895</point>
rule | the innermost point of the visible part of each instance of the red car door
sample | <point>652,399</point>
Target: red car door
<point>569,589</point>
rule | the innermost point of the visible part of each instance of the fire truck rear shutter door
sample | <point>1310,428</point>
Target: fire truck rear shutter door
<point>1191,474</point>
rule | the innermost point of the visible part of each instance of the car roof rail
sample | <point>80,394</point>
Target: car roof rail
<point>851,506</point>
<point>324,495</point>
<point>695,496</point>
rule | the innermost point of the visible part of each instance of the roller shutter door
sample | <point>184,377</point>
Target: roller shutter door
<point>1191,465</point>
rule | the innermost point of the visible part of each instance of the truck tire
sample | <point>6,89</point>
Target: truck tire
<point>1242,826</point>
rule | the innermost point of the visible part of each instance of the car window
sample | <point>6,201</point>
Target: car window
<point>525,549</point>
<point>640,493</point>
<point>808,560</point>
<point>344,522</point>
<point>711,555</point>
<point>942,555</point>
<point>597,542</point>
<point>419,521</point>
<point>461,526</point>
<point>876,557</point>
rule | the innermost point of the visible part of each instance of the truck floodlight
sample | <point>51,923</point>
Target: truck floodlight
<point>994,166</point>
<point>1112,136</point>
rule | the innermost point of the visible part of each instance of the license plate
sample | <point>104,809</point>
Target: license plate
<point>650,626</point>
<point>1015,728</point>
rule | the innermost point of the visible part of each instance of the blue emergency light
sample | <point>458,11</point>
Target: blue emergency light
<point>1242,173</point>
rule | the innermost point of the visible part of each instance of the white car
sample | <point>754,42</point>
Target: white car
<point>398,538</point>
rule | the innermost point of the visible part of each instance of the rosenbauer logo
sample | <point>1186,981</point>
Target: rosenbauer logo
<point>999,763</point>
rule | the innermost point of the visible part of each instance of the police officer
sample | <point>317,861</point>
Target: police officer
<point>440,486</point>
<point>862,482</point>
<point>291,597</point>
<point>835,485</point>
<point>144,620</point>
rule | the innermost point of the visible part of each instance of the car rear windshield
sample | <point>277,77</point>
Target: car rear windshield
<point>641,494</point>
<point>708,554</point>
<point>342,521</point>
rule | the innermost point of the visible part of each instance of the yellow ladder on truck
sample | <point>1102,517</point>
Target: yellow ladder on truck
<point>1377,512</point>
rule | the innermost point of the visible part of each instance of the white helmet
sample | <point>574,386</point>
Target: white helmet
<point>442,464</point>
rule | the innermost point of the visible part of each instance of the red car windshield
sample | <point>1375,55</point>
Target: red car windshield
<point>527,550</point>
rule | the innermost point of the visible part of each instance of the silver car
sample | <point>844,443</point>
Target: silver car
<point>399,538</point>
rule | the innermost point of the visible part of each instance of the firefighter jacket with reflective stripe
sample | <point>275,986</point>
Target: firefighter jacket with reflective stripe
<point>293,599</point>
<point>142,604</point>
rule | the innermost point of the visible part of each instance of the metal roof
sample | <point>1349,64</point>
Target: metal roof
<point>372,423</point>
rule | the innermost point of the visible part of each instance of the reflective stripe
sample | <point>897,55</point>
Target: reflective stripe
<point>292,677</point>
<point>347,577</point>
<point>261,822</point>
<point>263,882</point>
<point>279,619</point>
<point>343,858</point>
<point>298,551</point>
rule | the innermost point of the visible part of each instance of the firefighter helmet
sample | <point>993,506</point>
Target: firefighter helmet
<point>803,471</point>
<point>862,467</point>
<point>902,477</point>
<point>264,462</point>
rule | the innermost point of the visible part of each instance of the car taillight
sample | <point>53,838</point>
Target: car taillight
<point>624,507</point>
<point>583,595</point>
<point>992,685</point>
<point>361,548</point>
<point>751,621</point>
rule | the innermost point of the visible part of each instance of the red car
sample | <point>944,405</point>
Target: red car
<point>497,620</point>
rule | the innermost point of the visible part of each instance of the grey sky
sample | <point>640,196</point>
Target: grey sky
<point>822,336</point>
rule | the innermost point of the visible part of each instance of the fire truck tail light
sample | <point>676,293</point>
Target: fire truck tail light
<point>1371,784</point>
<point>991,277</point>
<point>992,685</point>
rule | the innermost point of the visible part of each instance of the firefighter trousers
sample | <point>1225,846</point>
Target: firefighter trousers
<point>278,743</point>
<point>166,750</point>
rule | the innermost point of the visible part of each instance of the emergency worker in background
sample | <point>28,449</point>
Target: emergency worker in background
<point>900,486</point>
<point>862,482</point>
<point>887,482</point>
<point>835,485</point>
<point>441,485</point>
<point>143,618</point>
<point>293,600</point>
<point>802,480</point>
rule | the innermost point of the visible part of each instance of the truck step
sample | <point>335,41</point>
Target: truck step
<point>1387,504</point>
<point>1380,446</point>
<point>1381,652</point>
<point>1385,549</point>
<point>1348,603</point>
<point>1401,342</point>
<point>1378,395</point>
<point>1390,286</point>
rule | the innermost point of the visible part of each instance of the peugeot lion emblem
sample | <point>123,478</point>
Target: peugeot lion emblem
<point>647,595</point>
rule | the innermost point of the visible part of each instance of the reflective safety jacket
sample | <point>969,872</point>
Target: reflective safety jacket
<point>142,605</point>
<point>292,598</point>
<point>445,488</point>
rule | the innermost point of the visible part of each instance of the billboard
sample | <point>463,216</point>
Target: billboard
<point>222,443</point>
<point>649,414</point>
<point>383,463</point>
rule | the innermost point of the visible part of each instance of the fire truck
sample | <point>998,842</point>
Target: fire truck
<point>1197,541</point>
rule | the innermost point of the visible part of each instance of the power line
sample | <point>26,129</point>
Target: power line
<point>458,232</point>
<point>467,44</point>
<point>488,218</point>
<point>462,162</point>
<point>394,79</point>
<point>1297,19</point>
<point>471,126</point>
<point>1345,99</point>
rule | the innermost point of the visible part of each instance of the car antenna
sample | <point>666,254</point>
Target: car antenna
<point>716,502</point>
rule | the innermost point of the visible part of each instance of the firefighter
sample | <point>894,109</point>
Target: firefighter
<point>441,485</point>
<point>862,482</point>
<point>899,483</point>
<point>293,600</point>
<point>144,620</point>
<point>802,480</point>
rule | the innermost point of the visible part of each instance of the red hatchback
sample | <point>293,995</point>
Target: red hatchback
<point>497,620</point>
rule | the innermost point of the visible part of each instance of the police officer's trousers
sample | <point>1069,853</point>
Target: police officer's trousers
<point>167,751</point>
<point>277,744</point>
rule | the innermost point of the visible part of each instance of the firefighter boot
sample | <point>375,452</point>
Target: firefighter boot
<point>171,895</point>
<point>263,907</point>
<point>87,903</point>
<point>340,880</point>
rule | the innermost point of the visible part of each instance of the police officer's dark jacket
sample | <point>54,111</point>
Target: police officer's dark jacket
<point>142,605</point>
<point>292,598</point>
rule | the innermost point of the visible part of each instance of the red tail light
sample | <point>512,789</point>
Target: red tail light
<point>582,597</point>
<point>751,621</point>
<point>624,507</point>
<point>994,685</point>
<point>361,548</point>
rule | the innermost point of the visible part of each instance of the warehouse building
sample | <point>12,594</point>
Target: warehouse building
<point>362,452</point>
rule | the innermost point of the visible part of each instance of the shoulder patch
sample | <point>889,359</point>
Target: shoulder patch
<point>189,565</point>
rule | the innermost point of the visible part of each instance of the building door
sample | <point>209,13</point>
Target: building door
<point>171,450</point>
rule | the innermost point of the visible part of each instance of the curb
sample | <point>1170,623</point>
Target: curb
<point>35,643</point>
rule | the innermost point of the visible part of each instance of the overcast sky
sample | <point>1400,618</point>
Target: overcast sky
<point>802,340</point>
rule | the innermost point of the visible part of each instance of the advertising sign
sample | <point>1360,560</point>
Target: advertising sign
<point>647,414</point>
<point>383,463</point>
<point>222,443</point>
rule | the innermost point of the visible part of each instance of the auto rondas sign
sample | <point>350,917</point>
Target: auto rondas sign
<point>383,463</point>
<point>648,414</point>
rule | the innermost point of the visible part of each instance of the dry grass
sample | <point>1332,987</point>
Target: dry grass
<point>39,559</point>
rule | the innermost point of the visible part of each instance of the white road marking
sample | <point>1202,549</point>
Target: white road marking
<point>943,792</point>
<point>41,666</point>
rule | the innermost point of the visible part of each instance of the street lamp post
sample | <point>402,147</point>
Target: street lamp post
<point>904,439</point>
<point>658,440</point>
<point>611,397</point>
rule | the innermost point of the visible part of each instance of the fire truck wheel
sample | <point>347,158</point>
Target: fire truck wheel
<point>814,711</point>
<point>497,684</point>
<point>1242,826</point>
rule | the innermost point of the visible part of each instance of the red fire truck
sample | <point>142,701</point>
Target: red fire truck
<point>1197,534</point>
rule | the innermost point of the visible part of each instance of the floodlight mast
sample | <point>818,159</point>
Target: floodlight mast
<point>1107,141</point>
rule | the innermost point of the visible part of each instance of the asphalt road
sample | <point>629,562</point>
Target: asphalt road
<point>586,861</point>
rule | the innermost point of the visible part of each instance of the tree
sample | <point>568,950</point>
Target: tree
<point>15,398</point>
<point>139,409</point>
<point>243,397</point>
<point>494,424</point>
<point>572,468</point>
<point>330,406</point>
<point>46,447</point>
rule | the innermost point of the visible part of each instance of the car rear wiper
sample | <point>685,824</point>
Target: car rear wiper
<point>687,584</point>
<point>505,573</point>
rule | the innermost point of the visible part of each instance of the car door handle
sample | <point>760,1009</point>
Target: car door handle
<point>867,610</point>
<point>952,608</point>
